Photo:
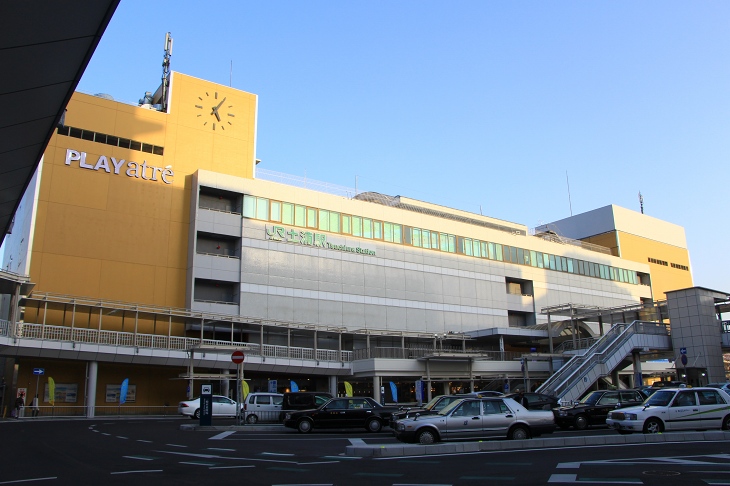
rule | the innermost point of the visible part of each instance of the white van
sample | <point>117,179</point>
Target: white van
<point>262,407</point>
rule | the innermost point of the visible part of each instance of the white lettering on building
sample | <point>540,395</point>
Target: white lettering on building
<point>134,169</point>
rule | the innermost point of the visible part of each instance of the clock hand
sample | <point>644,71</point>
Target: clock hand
<point>215,110</point>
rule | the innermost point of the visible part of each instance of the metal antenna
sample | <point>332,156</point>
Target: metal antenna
<point>166,70</point>
<point>569,201</point>
<point>641,202</point>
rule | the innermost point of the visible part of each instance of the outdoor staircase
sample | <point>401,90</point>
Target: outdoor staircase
<point>571,381</point>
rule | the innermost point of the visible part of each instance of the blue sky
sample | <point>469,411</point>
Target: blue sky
<point>469,104</point>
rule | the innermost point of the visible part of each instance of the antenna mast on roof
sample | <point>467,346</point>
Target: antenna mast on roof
<point>641,202</point>
<point>166,70</point>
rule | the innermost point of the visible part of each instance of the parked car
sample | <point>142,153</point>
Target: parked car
<point>342,413</point>
<point>222,407</point>
<point>302,401</point>
<point>489,393</point>
<point>675,409</point>
<point>594,408</point>
<point>262,407</point>
<point>472,418</point>
<point>536,401</point>
<point>722,386</point>
<point>435,405</point>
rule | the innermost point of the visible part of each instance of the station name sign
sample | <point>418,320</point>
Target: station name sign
<point>130,169</point>
<point>309,238</point>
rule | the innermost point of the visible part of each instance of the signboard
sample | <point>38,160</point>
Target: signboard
<point>682,350</point>
<point>308,238</point>
<point>206,404</point>
<point>237,357</point>
<point>63,393</point>
<point>38,371</point>
<point>684,359</point>
<point>114,393</point>
<point>419,391</point>
<point>272,386</point>
<point>206,390</point>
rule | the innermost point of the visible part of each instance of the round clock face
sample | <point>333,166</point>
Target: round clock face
<point>214,111</point>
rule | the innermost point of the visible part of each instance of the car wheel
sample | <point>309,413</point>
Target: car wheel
<point>252,419</point>
<point>196,415</point>
<point>427,437</point>
<point>304,426</point>
<point>653,426</point>
<point>374,425</point>
<point>726,423</point>
<point>519,432</point>
<point>581,422</point>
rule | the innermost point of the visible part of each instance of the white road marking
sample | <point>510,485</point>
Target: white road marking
<point>572,478</point>
<point>357,442</point>
<point>28,480</point>
<point>120,437</point>
<point>176,445</point>
<point>348,458</point>
<point>140,471</point>
<point>198,463</point>
<point>139,458</point>
<point>145,441</point>
<point>221,449</point>
<point>104,433</point>
<point>223,435</point>
<point>275,454</point>
<point>562,478</point>
<point>568,465</point>
<point>231,467</point>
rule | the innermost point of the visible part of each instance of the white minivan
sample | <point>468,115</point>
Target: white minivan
<point>262,407</point>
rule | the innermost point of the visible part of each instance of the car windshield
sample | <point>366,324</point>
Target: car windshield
<point>661,398</point>
<point>592,398</point>
<point>433,402</point>
<point>448,408</point>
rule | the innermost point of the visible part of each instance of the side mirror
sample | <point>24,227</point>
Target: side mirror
<point>416,417</point>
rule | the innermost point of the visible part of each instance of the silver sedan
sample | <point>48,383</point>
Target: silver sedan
<point>475,418</point>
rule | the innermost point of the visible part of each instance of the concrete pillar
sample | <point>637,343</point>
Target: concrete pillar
<point>615,379</point>
<point>447,388</point>
<point>637,369</point>
<point>428,381</point>
<point>93,370</point>
<point>333,385</point>
<point>376,388</point>
<point>225,385</point>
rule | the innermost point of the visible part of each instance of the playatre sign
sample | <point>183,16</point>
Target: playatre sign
<point>130,169</point>
<point>309,238</point>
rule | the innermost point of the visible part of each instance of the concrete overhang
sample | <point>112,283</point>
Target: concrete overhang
<point>45,46</point>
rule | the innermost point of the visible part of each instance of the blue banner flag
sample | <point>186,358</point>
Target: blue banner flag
<point>294,387</point>
<point>123,391</point>
<point>394,391</point>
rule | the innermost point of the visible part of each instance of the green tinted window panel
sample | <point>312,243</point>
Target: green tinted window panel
<point>539,259</point>
<point>377,230</point>
<point>334,222</point>
<point>367,228</point>
<point>346,224</point>
<point>249,207</point>
<point>324,220</point>
<point>356,226</point>
<point>434,240</point>
<point>468,249</point>
<point>498,252</point>
<point>300,216</point>
<point>552,262</point>
<point>477,249</point>
<point>388,232</point>
<point>262,208</point>
<point>571,268</point>
<point>416,237</point>
<point>397,233</point>
<point>520,256</point>
<point>276,211</point>
<point>287,213</point>
<point>311,218</point>
<point>425,239</point>
<point>491,252</point>
<point>444,242</point>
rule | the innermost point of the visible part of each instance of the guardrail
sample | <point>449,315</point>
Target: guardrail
<point>420,352</point>
<point>70,411</point>
<point>178,343</point>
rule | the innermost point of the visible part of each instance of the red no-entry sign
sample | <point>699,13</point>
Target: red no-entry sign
<point>237,357</point>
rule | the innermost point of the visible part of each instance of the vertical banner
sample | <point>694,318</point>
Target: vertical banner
<point>244,389</point>
<point>293,386</point>
<point>348,389</point>
<point>419,391</point>
<point>394,392</point>
<point>51,391</point>
<point>123,391</point>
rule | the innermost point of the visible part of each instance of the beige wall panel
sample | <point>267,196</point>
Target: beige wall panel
<point>176,289</point>
<point>127,282</point>
<point>40,228</point>
<point>91,113</point>
<point>145,199</point>
<point>69,275</point>
<point>177,250</point>
<point>180,204</point>
<point>160,284</point>
<point>607,240</point>
<point>75,231</point>
<point>147,126</point>
<point>80,187</point>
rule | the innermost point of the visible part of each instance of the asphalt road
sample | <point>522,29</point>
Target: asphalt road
<point>156,451</point>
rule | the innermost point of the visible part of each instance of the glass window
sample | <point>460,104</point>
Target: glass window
<point>356,226</point>
<point>416,237</point>
<point>491,254</point>
<point>591,269</point>
<point>484,249</point>
<point>452,244</point>
<point>506,254</point>
<point>287,213</point>
<point>367,227</point>
<point>611,273</point>
<point>425,238</point>
<point>476,248</point>
<point>249,207</point>
<point>334,222</point>
<point>262,208</point>
<point>444,242</point>
<point>397,234</point>
<point>602,271</point>
<point>324,220</point>
<point>552,262</point>
<point>533,258</point>
<point>513,254</point>
<point>571,268</point>
<point>311,218</point>
<point>377,230</point>
<point>498,252</point>
<point>276,211</point>
<point>388,231</point>
<point>564,264</point>
<point>407,234</point>
<point>580,267</point>
<point>346,224</point>
<point>300,215</point>
<point>540,261</point>
<point>435,240</point>
<point>520,256</point>
<point>466,243</point>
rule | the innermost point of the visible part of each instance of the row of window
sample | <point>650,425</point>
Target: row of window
<point>666,264</point>
<point>320,219</point>
<point>110,140</point>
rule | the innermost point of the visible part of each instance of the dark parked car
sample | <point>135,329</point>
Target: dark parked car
<point>302,401</point>
<point>340,413</point>
<point>594,408</point>
<point>535,401</point>
<point>434,406</point>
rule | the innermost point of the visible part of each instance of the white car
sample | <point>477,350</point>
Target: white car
<point>262,407</point>
<point>222,407</point>
<point>675,409</point>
